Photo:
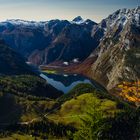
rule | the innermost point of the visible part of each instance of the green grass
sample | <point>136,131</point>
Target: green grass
<point>25,97</point>
<point>35,109</point>
<point>19,137</point>
<point>50,71</point>
<point>28,86</point>
<point>19,109</point>
<point>71,111</point>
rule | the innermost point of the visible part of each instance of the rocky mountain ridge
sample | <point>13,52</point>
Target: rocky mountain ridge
<point>118,52</point>
<point>46,42</point>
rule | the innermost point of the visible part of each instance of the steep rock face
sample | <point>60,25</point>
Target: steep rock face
<point>11,62</point>
<point>24,37</point>
<point>118,54</point>
<point>74,41</point>
<point>55,40</point>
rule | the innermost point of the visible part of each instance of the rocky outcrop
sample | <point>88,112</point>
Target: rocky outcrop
<point>118,54</point>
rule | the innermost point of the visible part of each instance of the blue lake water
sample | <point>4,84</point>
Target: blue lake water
<point>65,82</point>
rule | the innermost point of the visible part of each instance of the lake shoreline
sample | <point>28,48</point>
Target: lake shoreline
<point>57,71</point>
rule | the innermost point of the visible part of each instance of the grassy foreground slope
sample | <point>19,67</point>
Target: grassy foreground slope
<point>25,97</point>
<point>73,110</point>
<point>96,115</point>
<point>84,113</point>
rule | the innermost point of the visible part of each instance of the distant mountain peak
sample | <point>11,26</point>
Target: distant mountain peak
<point>78,19</point>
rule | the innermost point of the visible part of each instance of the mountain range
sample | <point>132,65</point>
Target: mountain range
<point>46,42</point>
<point>109,52</point>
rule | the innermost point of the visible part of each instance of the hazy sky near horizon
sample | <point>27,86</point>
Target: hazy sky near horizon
<point>42,10</point>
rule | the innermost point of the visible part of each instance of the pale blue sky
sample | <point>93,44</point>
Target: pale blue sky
<point>42,10</point>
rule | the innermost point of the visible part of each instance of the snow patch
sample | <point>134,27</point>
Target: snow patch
<point>66,63</point>
<point>75,60</point>
<point>127,44</point>
<point>65,75</point>
<point>79,22</point>
<point>137,17</point>
<point>26,23</point>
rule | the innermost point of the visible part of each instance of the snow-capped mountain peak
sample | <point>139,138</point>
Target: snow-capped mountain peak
<point>78,20</point>
<point>122,16</point>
